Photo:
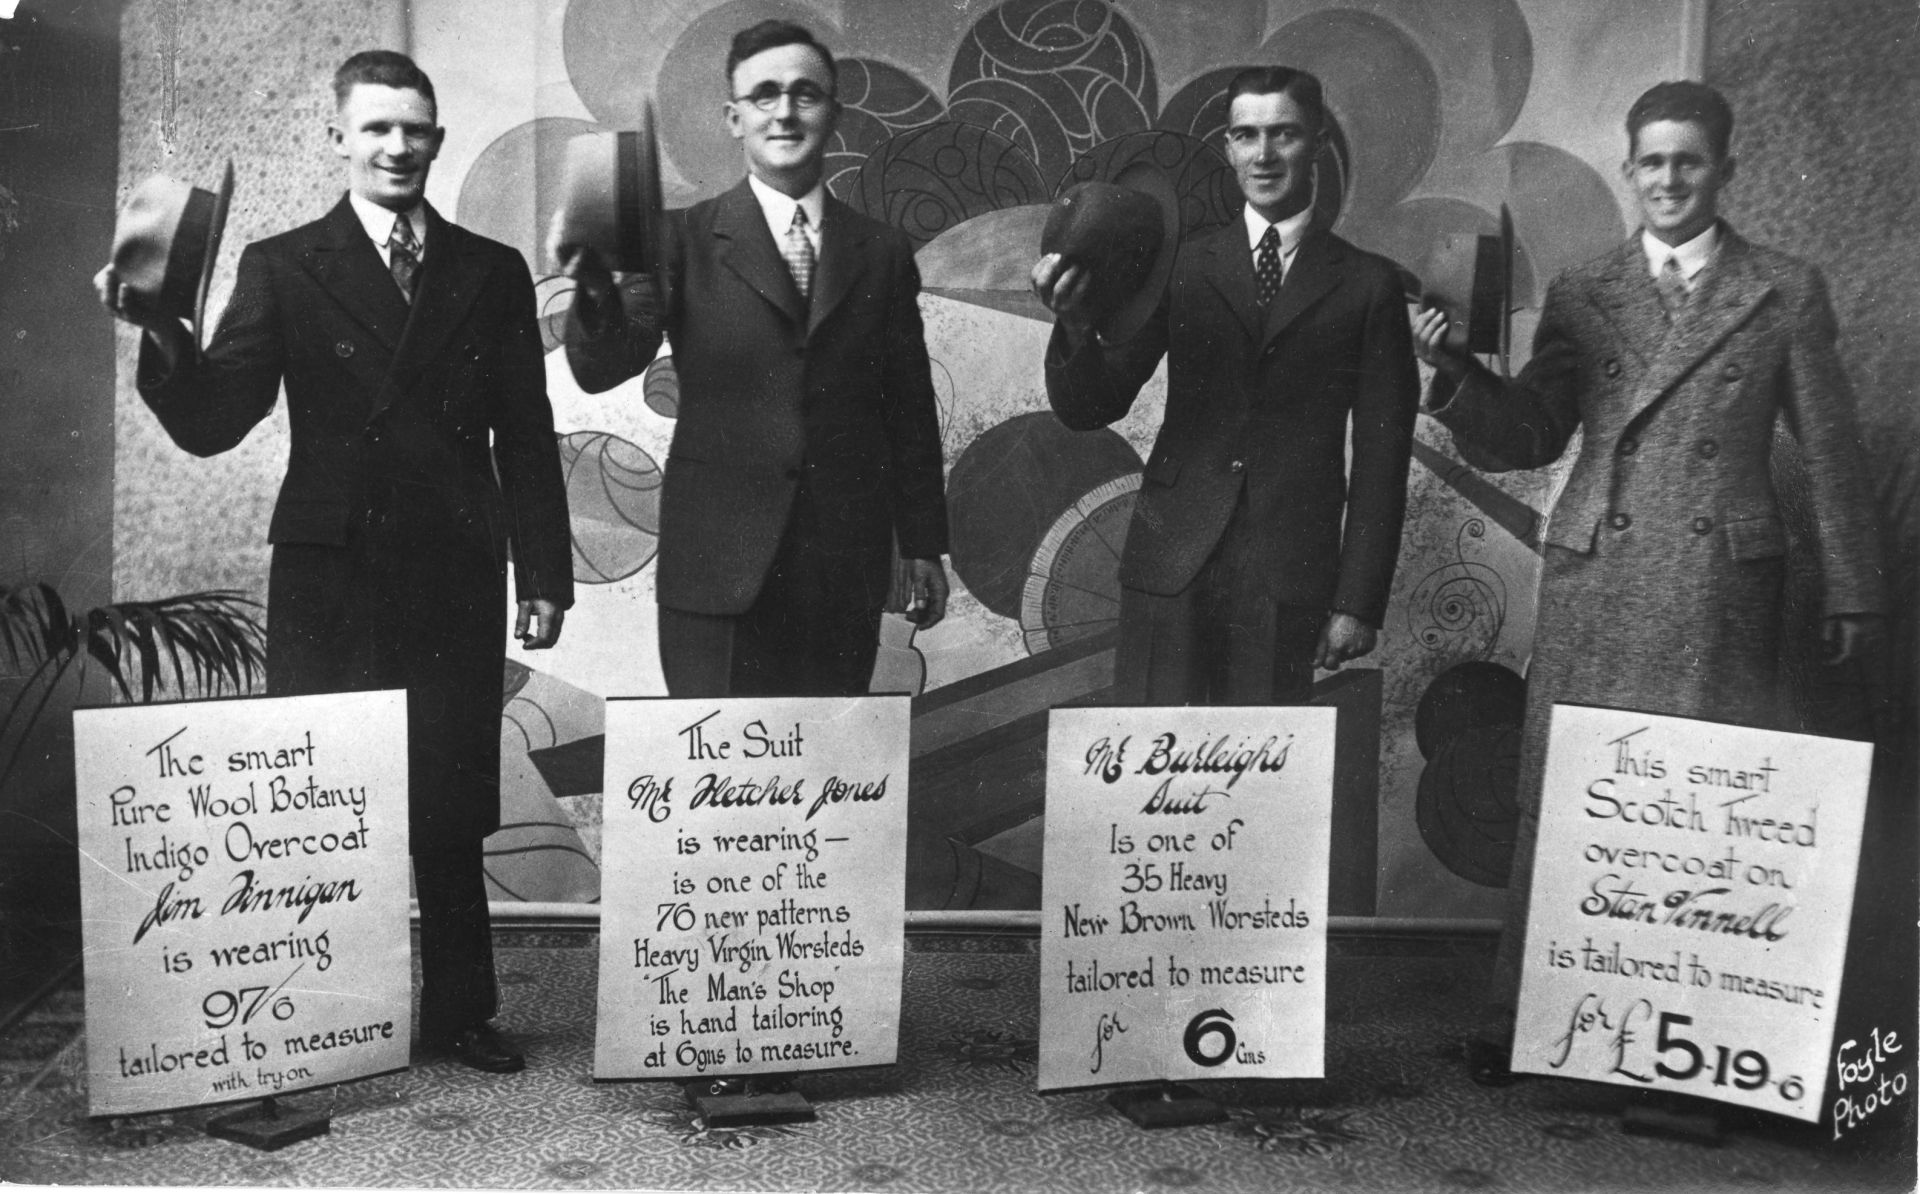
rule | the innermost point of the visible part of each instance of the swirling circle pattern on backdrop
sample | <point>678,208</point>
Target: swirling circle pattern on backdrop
<point>1055,77</point>
<point>878,101</point>
<point>502,195</point>
<point>1460,608</point>
<point>928,180</point>
<point>613,505</point>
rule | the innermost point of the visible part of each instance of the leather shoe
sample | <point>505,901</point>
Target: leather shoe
<point>480,1047</point>
<point>1489,1062</point>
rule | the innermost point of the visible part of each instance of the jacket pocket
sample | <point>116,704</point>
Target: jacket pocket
<point>1574,534</point>
<point>1756,538</point>
<point>309,522</point>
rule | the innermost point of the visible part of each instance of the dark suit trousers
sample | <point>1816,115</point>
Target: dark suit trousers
<point>1222,640</point>
<point>457,986</point>
<point>808,633</point>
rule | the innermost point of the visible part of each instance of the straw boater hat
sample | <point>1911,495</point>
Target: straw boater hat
<point>1126,232</point>
<point>165,242</point>
<point>610,198</point>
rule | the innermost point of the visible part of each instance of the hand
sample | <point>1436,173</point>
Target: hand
<point>1063,289</point>
<point>548,615</point>
<point>1430,344</point>
<point>928,603</point>
<point>1343,637</point>
<point>166,331</point>
<point>1851,636</point>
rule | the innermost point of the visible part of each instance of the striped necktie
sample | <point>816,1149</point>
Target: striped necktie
<point>798,251</point>
<point>1674,293</point>
<point>403,255</point>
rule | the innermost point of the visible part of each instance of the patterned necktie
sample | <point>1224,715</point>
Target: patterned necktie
<point>798,251</point>
<point>1672,285</point>
<point>403,255</point>
<point>1266,265</point>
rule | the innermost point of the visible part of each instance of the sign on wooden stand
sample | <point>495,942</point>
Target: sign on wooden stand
<point>1183,916</point>
<point>753,899</point>
<point>1692,890</point>
<point>244,897</point>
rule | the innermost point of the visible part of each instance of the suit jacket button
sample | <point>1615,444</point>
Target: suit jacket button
<point>343,348</point>
<point>1620,522</point>
<point>1613,368</point>
<point>1732,372</point>
<point>1709,449</point>
<point>1629,446</point>
<point>1238,466</point>
<point>1702,525</point>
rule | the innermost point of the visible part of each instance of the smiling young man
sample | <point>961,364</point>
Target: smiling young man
<point>807,442</point>
<point>1665,557</point>
<point>1255,551</point>
<point>422,451</point>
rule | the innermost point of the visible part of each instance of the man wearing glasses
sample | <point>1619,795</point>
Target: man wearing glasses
<point>807,442</point>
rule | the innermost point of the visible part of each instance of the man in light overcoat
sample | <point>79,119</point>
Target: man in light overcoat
<point>1665,562</point>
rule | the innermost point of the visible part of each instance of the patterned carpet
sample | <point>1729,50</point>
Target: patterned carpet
<point>959,1113</point>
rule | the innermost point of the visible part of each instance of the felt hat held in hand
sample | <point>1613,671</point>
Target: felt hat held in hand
<point>165,241</point>
<point>1125,233</point>
<point>610,198</point>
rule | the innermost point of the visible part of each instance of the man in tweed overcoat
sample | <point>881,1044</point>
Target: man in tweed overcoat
<point>1665,558</point>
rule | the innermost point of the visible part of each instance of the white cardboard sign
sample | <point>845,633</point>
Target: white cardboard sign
<point>243,891</point>
<point>1184,899</point>
<point>1692,890</point>
<point>753,886</point>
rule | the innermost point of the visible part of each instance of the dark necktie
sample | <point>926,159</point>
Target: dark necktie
<point>1266,265</point>
<point>1672,285</point>
<point>403,253</point>
<point>798,251</point>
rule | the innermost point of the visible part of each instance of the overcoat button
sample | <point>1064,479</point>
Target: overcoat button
<point>1629,446</point>
<point>1621,522</point>
<point>343,348</point>
<point>1613,368</point>
<point>1709,449</point>
<point>1702,525</point>
<point>1732,372</point>
<point>1238,466</point>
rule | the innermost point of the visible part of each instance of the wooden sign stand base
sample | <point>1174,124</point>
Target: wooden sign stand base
<point>1671,1121</point>
<point>1165,1105</point>
<point>746,1102</point>
<point>266,1128</point>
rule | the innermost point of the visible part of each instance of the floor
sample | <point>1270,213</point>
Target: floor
<point>958,1113</point>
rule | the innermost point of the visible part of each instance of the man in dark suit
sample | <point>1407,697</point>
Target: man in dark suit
<point>1665,560</point>
<point>1255,553</point>
<point>422,447</point>
<point>808,442</point>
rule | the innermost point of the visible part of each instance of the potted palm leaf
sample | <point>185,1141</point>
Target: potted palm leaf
<point>52,658</point>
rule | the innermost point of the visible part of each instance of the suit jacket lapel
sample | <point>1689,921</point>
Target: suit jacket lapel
<point>1315,271</point>
<point>842,254</point>
<point>1730,292</point>
<point>450,278</point>
<point>1229,267</point>
<point>1626,294</point>
<point>345,263</point>
<point>746,247</point>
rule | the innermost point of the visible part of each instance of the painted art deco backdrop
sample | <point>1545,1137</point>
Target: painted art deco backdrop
<point>962,122</point>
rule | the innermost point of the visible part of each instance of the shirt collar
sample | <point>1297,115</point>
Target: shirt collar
<point>778,207</point>
<point>1292,229</point>
<point>1692,256</point>
<point>378,221</point>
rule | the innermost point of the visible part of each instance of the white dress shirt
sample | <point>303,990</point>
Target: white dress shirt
<point>1292,230</point>
<point>378,221</point>
<point>1691,257</point>
<point>778,209</point>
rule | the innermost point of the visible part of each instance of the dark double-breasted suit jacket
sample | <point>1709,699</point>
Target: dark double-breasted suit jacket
<point>1258,406</point>
<point>776,390</point>
<point>421,455</point>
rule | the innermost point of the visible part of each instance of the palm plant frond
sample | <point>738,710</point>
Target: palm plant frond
<point>214,635</point>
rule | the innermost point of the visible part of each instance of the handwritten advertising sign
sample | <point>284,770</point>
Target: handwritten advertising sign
<point>1184,899</point>
<point>1691,896</point>
<point>754,887</point>
<point>243,890</point>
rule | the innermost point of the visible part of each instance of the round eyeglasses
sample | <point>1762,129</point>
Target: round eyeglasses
<point>805,95</point>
